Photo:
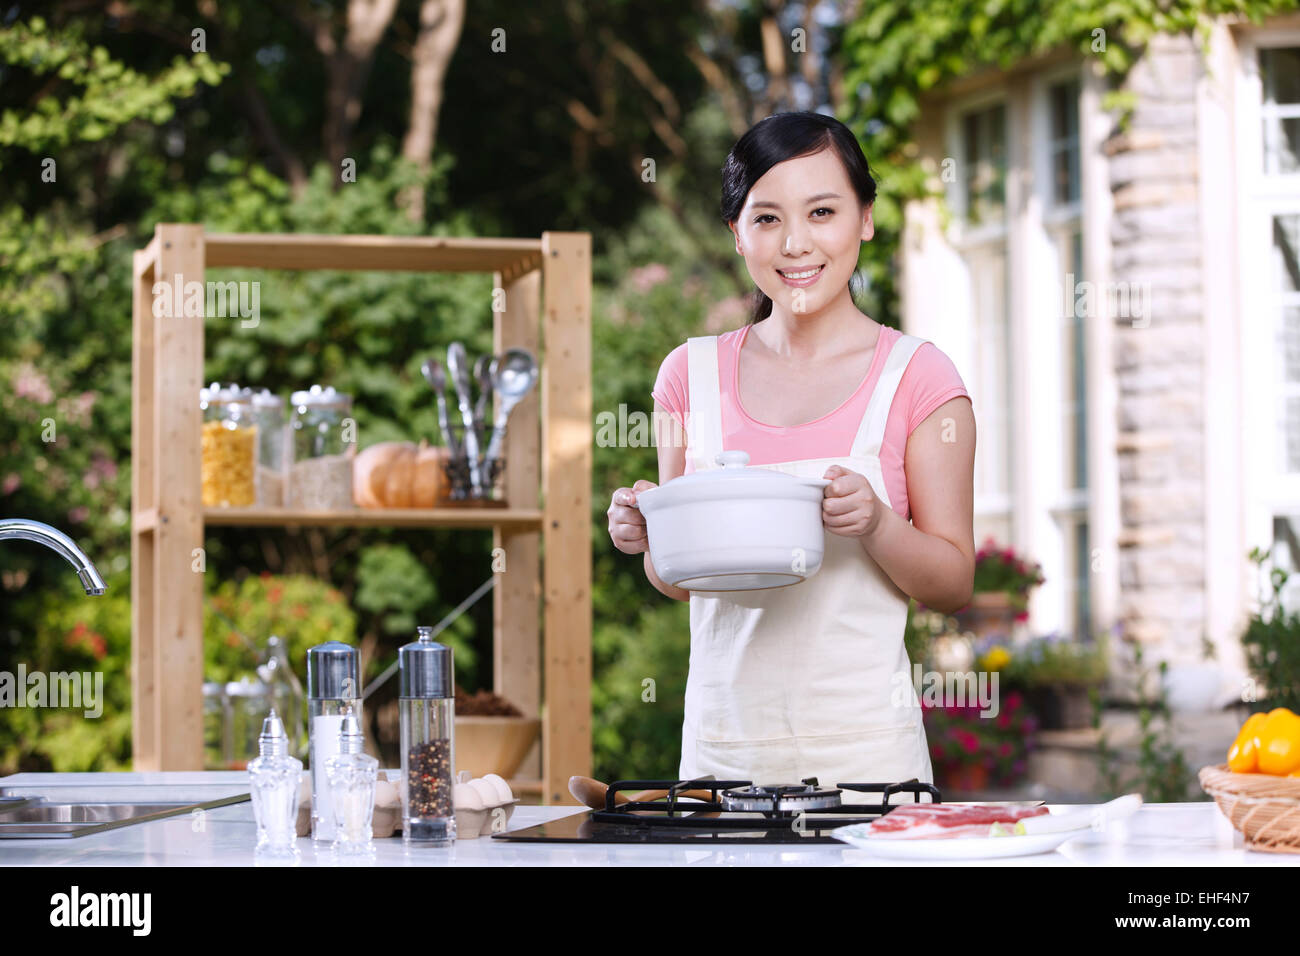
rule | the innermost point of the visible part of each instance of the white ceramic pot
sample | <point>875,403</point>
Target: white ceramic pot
<point>735,528</point>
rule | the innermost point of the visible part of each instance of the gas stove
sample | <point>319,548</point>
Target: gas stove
<point>728,811</point>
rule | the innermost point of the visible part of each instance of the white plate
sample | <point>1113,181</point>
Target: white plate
<point>952,848</point>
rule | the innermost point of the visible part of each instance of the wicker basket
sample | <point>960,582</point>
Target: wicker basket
<point>1265,809</point>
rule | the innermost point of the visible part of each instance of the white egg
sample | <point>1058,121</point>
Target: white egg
<point>503,789</point>
<point>466,797</point>
<point>485,790</point>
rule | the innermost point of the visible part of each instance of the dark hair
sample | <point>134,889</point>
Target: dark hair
<point>780,137</point>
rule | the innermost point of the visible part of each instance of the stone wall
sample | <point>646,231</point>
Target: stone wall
<point>1155,239</point>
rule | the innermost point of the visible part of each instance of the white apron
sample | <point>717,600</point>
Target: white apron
<point>811,679</point>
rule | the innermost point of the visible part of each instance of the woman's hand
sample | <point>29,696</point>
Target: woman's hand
<point>626,522</point>
<point>849,507</point>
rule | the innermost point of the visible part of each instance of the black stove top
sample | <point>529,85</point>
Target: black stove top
<point>730,811</point>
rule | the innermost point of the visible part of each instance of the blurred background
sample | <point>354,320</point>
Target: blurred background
<point>1092,207</point>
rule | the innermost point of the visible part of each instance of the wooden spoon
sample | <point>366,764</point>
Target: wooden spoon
<point>592,793</point>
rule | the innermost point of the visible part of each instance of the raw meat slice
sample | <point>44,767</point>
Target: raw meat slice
<point>928,821</point>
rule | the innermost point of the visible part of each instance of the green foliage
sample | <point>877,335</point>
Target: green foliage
<point>1056,660</point>
<point>1272,643</point>
<point>112,94</point>
<point>1162,774</point>
<point>240,616</point>
<point>72,632</point>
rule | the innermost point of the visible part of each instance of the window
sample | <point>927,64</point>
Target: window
<point>1270,269</point>
<point>1064,147</point>
<point>984,150</point>
<point>1280,75</point>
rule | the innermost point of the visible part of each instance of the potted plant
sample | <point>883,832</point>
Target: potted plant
<point>1003,581</point>
<point>1057,674</point>
<point>970,753</point>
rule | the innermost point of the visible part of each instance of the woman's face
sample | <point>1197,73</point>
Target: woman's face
<point>803,216</point>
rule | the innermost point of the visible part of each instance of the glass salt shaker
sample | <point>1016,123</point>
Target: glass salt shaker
<point>427,703</point>
<point>273,781</point>
<point>351,774</point>
<point>333,685</point>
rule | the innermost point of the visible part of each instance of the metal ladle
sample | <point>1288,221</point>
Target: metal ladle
<point>513,374</point>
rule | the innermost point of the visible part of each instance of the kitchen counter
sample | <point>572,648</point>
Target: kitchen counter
<point>1161,834</point>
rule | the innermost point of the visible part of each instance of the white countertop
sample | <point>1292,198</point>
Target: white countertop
<point>1162,834</point>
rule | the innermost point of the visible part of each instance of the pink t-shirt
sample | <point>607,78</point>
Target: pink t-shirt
<point>929,380</point>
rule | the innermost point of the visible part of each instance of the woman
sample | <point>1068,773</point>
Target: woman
<point>813,679</point>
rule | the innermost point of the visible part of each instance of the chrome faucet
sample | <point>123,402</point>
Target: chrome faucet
<point>56,541</point>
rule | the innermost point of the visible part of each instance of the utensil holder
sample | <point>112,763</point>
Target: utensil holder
<point>456,466</point>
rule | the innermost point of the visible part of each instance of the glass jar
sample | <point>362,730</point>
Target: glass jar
<point>229,446</point>
<point>248,704</point>
<point>427,704</point>
<point>272,435</point>
<point>216,723</point>
<point>324,444</point>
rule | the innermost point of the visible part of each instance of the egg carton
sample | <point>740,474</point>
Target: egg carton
<point>471,822</point>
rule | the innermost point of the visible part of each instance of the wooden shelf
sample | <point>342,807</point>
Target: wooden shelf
<point>541,630</point>
<point>510,257</point>
<point>447,517</point>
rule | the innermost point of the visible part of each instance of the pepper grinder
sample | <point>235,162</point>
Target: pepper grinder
<point>333,685</point>
<point>352,775</point>
<point>273,780</point>
<point>427,704</point>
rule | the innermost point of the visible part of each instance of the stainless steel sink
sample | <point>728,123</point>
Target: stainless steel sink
<point>39,819</point>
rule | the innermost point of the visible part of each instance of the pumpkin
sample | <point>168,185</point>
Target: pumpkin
<point>399,474</point>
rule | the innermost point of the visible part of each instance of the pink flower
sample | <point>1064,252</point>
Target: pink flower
<point>29,383</point>
<point>647,277</point>
<point>78,514</point>
<point>11,483</point>
<point>1004,749</point>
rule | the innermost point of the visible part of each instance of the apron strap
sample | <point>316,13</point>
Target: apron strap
<point>704,418</point>
<point>871,432</point>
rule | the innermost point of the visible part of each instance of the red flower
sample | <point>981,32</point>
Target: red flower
<point>274,594</point>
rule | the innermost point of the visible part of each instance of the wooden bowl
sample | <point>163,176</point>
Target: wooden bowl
<point>1265,809</point>
<point>497,745</point>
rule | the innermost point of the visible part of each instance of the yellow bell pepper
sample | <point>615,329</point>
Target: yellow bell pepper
<point>1243,755</point>
<point>1279,742</point>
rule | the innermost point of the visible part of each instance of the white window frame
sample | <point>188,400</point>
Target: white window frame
<point>1261,196</point>
<point>1037,506</point>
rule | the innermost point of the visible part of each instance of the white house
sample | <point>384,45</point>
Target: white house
<point>1123,303</point>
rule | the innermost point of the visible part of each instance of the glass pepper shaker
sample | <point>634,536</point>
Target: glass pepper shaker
<point>333,685</point>
<point>273,780</point>
<point>351,774</point>
<point>427,703</point>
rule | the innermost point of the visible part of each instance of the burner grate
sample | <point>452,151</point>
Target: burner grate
<point>739,805</point>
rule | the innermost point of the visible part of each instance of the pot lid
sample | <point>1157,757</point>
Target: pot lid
<point>737,474</point>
